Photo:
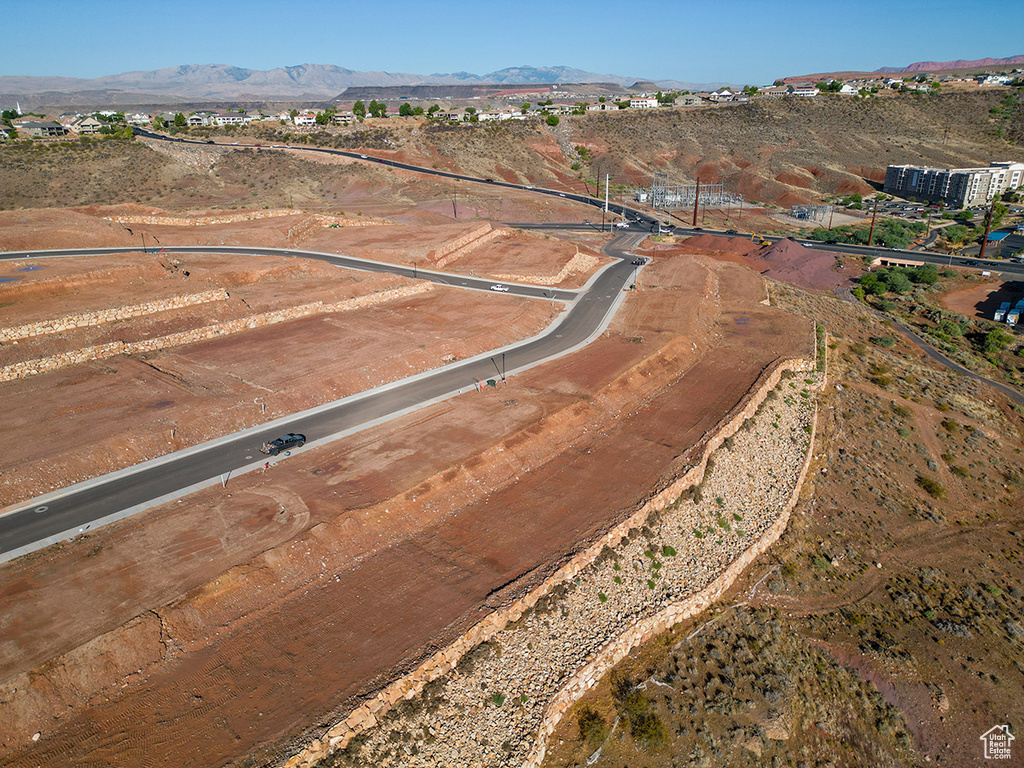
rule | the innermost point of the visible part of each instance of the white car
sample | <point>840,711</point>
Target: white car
<point>499,288</point>
<point>364,157</point>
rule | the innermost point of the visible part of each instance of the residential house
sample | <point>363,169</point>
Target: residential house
<point>722,94</point>
<point>803,89</point>
<point>986,80</point>
<point>602,106</point>
<point>644,102</point>
<point>773,91</point>
<point>229,119</point>
<point>6,133</point>
<point>305,119</point>
<point>343,118</point>
<point>196,120</point>
<point>85,126</point>
<point>848,90</point>
<point>689,100</point>
<point>42,130</point>
<point>138,118</point>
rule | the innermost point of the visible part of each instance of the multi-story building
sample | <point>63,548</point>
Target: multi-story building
<point>956,187</point>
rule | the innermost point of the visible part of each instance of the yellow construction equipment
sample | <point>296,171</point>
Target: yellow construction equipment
<point>754,237</point>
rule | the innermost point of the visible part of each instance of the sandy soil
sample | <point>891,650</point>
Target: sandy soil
<point>983,300</point>
<point>230,622</point>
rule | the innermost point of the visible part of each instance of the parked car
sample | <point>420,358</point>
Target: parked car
<point>283,443</point>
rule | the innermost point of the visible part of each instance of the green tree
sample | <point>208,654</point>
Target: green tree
<point>405,110</point>
<point>359,110</point>
<point>418,111</point>
<point>433,110</point>
<point>179,120</point>
<point>322,118</point>
<point>292,113</point>
<point>998,213</point>
<point>995,341</point>
<point>963,215</point>
<point>956,234</point>
<point>552,120</point>
<point>898,282</point>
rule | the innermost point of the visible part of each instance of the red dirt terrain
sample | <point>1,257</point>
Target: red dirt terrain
<point>221,628</point>
<point>983,300</point>
<point>785,260</point>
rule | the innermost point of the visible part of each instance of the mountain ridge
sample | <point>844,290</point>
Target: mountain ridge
<point>225,81</point>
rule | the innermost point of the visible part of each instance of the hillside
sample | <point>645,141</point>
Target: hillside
<point>778,152</point>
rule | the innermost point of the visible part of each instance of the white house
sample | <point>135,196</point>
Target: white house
<point>994,80</point>
<point>803,89</point>
<point>848,90</point>
<point>305,118</point>
<point>643,103</point>
<point>722,94</point>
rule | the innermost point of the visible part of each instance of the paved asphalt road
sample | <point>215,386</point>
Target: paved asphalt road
<point>640,221</point>
<point>62,514</point>
<point>441,278</point>
<point>119,494</point>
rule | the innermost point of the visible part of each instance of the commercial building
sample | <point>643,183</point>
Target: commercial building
<point>956,187</point>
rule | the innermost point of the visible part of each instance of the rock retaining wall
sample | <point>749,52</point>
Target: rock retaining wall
<point>370,712</point>
<point>463,244</point>
<point>102,351</point>
<point>201,221</point>
<point>99,317</point>
<point>318,221</point>
<point>581,262</point>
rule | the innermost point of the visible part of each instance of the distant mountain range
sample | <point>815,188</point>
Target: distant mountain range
<point>960,65</point>
<point>191,82</point>
<point>940,66</point>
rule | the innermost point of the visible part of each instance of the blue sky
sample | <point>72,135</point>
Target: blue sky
<point>739,41</point>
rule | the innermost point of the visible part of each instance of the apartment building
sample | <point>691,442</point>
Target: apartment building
<point>956,187</point>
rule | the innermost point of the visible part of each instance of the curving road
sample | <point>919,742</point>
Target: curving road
<point>93,503</point>
<point>88,505</point>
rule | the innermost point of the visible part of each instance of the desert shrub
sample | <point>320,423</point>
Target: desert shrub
<point>883,341</point>
<point>931,486</point>
<point>593,728</point>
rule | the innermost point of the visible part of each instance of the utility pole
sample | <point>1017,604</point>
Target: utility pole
<point>696,198</point>
<point>455,196</point>
<point>831,210</point>
<point>605,199</point>
<point>871,232</point>
<point>988,228</point>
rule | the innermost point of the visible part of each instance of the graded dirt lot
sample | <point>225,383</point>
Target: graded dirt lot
<point>982,300</point>
<point>232,621</point>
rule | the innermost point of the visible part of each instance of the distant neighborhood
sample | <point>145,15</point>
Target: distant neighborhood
<point>548,103</point>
